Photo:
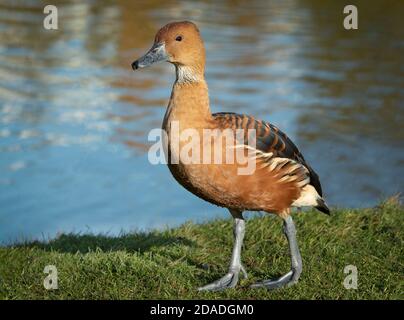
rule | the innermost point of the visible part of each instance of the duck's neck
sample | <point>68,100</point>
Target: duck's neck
<point>189,101</point>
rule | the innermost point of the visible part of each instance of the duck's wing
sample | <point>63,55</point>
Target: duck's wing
<point>269,140</point>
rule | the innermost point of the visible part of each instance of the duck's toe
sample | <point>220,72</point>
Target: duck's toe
<point>286,280</point>
<point>229,280</point>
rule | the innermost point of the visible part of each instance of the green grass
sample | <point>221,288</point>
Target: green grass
<point>171,264</point>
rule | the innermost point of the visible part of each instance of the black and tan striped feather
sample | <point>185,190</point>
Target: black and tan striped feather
<point>269,140</point>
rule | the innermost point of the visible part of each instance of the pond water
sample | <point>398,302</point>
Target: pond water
<point>74,118</point>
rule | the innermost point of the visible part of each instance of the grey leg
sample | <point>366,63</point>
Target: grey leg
<point>293,275</point>
<point>230,279</point>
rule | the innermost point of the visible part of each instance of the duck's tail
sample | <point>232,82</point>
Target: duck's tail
<point>309,197</point>
<point>322,206</point>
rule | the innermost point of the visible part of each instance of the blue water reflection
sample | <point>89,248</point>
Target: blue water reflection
<point>74,118</point>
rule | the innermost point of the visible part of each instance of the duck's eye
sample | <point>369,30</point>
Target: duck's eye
<point>179,38</point>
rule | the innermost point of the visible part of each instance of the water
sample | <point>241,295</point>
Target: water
<point>74,118</point>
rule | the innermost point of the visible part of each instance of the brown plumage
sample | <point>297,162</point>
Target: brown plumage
<point>282,178</point>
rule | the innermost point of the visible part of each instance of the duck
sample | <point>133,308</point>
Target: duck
<point>281,180</point>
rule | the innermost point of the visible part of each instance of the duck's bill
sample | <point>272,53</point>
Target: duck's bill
<point>157,53</point>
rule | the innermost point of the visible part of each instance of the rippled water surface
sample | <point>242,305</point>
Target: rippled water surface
<point>74,118</point>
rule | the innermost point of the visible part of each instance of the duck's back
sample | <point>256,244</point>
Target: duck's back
<point>269,139</point>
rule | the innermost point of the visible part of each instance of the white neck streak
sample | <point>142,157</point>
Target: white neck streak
<point>187,75</point>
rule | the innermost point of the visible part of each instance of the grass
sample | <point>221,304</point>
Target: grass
<point>171,264</point>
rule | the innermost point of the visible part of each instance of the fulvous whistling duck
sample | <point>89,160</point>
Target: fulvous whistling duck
<point>282,178</point>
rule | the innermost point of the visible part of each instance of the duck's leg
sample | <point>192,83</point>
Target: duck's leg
<point>230,279</point>
<point>293,275</point>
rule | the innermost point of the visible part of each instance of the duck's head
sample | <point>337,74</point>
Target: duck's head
<point>180,44</point>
